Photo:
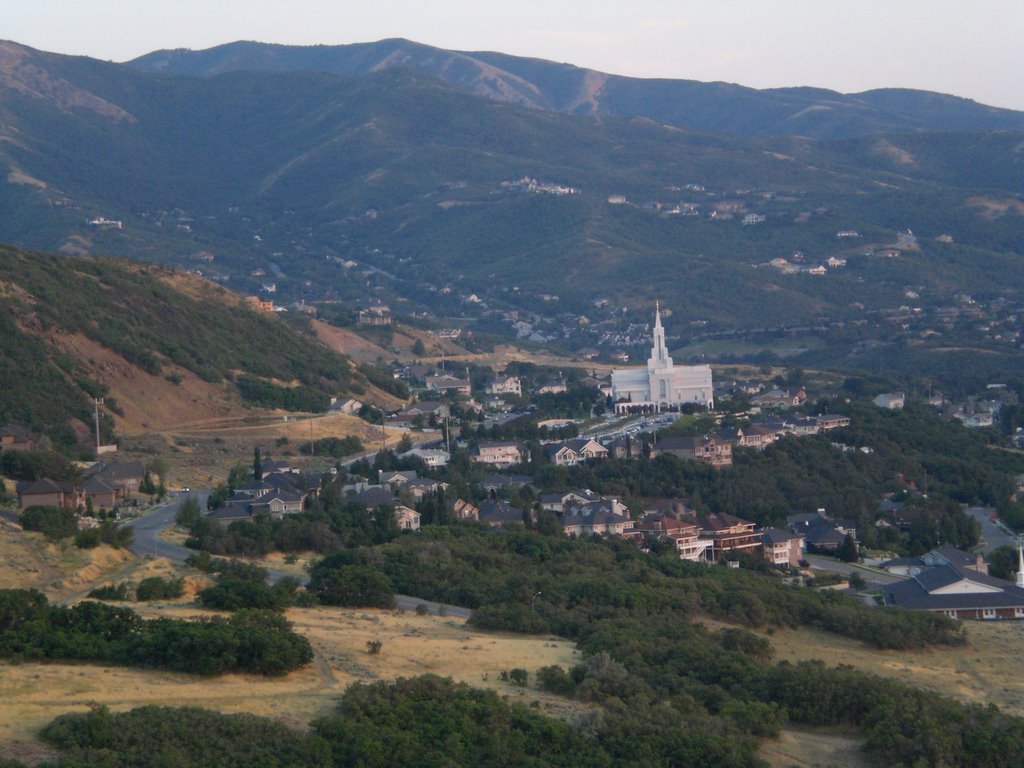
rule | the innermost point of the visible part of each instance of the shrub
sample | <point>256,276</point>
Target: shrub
<point>157,588</point>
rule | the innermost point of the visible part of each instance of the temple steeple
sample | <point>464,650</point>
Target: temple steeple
<point>659,353</point>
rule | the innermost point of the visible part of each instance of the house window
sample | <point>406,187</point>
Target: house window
<point>988,613</point>
<point>1018,613</point>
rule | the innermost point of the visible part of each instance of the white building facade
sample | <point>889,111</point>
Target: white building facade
<point>662,385</point>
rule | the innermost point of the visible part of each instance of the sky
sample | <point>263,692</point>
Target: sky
<point>973,49</point>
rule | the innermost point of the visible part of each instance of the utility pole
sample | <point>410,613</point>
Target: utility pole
<point>97,402</point>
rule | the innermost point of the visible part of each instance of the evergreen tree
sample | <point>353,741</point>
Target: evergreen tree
<point>147,486</point>
<point>847,551</point>
<point>257,464</point>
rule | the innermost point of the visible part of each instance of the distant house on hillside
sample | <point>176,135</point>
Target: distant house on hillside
<point>15,438</point>
<point>496,454</point>
<point>708,449</point>
<point>780,398</point>
<point>891,400</point>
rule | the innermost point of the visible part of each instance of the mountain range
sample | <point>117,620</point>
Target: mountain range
<point>714,107</point>
<point>354,172</point>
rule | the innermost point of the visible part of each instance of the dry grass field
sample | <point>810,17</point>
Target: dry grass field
<point>60,571</point>
<point>33,694</point>
<point>984,671</point>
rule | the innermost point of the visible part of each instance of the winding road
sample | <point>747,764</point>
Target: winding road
<point>148,543</point>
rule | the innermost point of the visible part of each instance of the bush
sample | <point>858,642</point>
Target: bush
<point>111,592</point>
<point>556,680</point>
<point>357,586</point>
<point>53,522</point>
<point>157,588</point>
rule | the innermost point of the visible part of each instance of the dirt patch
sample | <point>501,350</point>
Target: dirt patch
<point>148,401</point>
<point>814,748</point>
<point>992,208</point>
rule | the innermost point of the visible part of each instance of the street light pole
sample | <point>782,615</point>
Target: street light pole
<point>533,602</point>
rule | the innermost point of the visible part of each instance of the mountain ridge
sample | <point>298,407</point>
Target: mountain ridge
<point>542,84</point>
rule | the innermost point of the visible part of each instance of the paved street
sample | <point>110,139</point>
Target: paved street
<point>148,544</point>
<point>872,578</point>
<point>992,535</point>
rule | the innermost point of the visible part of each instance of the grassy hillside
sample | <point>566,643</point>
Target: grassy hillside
<point>160,325</point>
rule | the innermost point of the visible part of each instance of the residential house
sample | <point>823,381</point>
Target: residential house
<point>557,502</point>
<point>758,437</point>
<point>780,398</point>
<point>821,532</point>
<point>128,473</point>
<point>278,502</point>
<point>505,385</point>
<point>607,517</point>
<point>101,494</point>
<point>348,406</point>
<point>375,315</point>
<point>15,438</point>
<point>682,532</point>
<point>48,493</point>
<point>782,548</point>
<point>449,384</point>
<point>891,400</point>
<point>274,466</point>
<point>552,387</point>
<point>499,514</point>
<point>947,554</point>
<point>832,421</point>
<point>625,448</point>
<point>432,457</point>
<point>571,452</point>
<point>707,449</point>
<point>408,519</point>
<point>728,533</point>
<point>493,483</point>
<point>394,478</point>
<point>424,485</point>
<point>497,454</point>
<point>465,510</point>
<point>375,496</point>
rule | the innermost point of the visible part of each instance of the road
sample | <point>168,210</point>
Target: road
<point>872,578</point>
<point>993,535</point>
<point>149,544</point>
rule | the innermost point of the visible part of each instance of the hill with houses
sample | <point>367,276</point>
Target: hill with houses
<point>305,184</point>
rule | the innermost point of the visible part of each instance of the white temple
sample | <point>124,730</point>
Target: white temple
<point>661,385</point>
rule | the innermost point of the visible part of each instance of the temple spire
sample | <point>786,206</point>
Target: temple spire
<point>1020,562</point>
<point>659,353</point>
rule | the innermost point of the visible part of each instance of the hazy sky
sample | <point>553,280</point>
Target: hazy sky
<point>971,48</point>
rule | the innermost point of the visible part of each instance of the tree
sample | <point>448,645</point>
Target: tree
<point>189,514</point>
<point>257,464</point>
<point>418,348</point>
<point>405,444</point>
<point>847,551</point>
<point>147,486</point>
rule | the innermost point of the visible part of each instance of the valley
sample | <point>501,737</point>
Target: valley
<point>503,412</point>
